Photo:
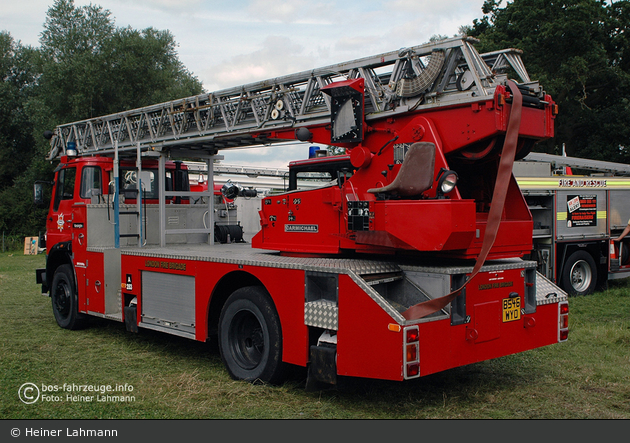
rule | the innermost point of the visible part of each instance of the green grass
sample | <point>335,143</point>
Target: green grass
<point>587,377</point>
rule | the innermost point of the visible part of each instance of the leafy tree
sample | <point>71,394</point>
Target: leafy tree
<point>18,76</point>
<point>579,50</point>
<point>91,68</point>
<point>143,69</point>
<point>73,60</point>
<point>85,67</point>
<point>18,215</point>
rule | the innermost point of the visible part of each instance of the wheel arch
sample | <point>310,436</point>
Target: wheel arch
<point>224,288</point>
<point>60,254</point>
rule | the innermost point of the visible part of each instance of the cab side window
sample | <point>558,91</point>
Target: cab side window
<point>304,179</point>
<point>65,186</point>
<point>91,181</point>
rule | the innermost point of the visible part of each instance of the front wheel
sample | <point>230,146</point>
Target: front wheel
<point>64,299</point>
<point>250,337</point>
<point>579,275</point>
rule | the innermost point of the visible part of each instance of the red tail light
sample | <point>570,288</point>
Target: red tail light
<point>411,352</point>
<point>563,321</point>
<point>413,370</point>
<point>412,335</point>
<point>564,335</point>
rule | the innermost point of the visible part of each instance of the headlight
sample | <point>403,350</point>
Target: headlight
<point>447,182</point>
<point>230,190</point>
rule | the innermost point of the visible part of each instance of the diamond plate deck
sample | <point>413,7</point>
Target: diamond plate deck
<point>244,254</point>
<point>467,268</point>
<point>321,314</point>
<point>547,292</point>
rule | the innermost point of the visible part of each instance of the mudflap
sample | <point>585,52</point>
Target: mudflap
<point>131,318</point>
<point>40,279</point>
<point>322,369</point>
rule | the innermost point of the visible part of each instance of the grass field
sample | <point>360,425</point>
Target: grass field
<point>587,377</point>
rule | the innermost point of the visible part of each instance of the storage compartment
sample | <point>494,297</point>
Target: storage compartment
<point>168,302</point>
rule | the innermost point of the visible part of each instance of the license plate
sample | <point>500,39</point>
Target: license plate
<point>511,309</point>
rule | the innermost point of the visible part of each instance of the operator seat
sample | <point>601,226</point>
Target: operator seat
<point>415,175</point>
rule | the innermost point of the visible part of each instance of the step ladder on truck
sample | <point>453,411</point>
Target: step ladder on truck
<point>577,219</point>
<point>407,263</point>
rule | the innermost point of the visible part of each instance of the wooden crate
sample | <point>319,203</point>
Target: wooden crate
<point>30,245</point>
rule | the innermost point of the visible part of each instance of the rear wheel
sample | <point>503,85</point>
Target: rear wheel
<point>579,275</point>
<point>250,337</point>
<point>64,299</point>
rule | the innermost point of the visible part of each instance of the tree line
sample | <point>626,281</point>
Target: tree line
<point>86,66</point>
<point>579,50</point>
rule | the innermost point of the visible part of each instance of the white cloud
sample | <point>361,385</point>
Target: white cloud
<point>167,4</point>
<point>261,64</point>
<point>25,23</point>
<point>291,11</point>
<point>423,9</point>
<point>357,43</point>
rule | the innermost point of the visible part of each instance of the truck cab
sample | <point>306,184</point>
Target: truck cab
<point>85,180</point>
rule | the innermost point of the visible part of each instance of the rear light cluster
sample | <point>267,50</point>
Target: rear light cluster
<point>563,318</point>
<point>411,352</point>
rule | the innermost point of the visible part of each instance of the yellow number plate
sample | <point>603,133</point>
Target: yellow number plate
<point>511,309</point>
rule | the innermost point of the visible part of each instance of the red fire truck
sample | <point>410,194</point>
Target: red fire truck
<point>408,262</point>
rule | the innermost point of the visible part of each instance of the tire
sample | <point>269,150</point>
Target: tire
<point>579,274</point>
<point>64,299</point>
<point>250,337</point>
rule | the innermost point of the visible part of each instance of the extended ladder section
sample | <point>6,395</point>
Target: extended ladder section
<point>558,161</point>
<point>441,73</point>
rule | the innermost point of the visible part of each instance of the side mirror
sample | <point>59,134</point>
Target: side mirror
<point>38,194</point>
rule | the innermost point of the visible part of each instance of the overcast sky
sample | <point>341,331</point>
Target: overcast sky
<point>228,43</point>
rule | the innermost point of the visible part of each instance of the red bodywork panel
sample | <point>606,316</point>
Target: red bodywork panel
<point>487,335</point>
<point>367,347</point>
<point>59,224</point>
